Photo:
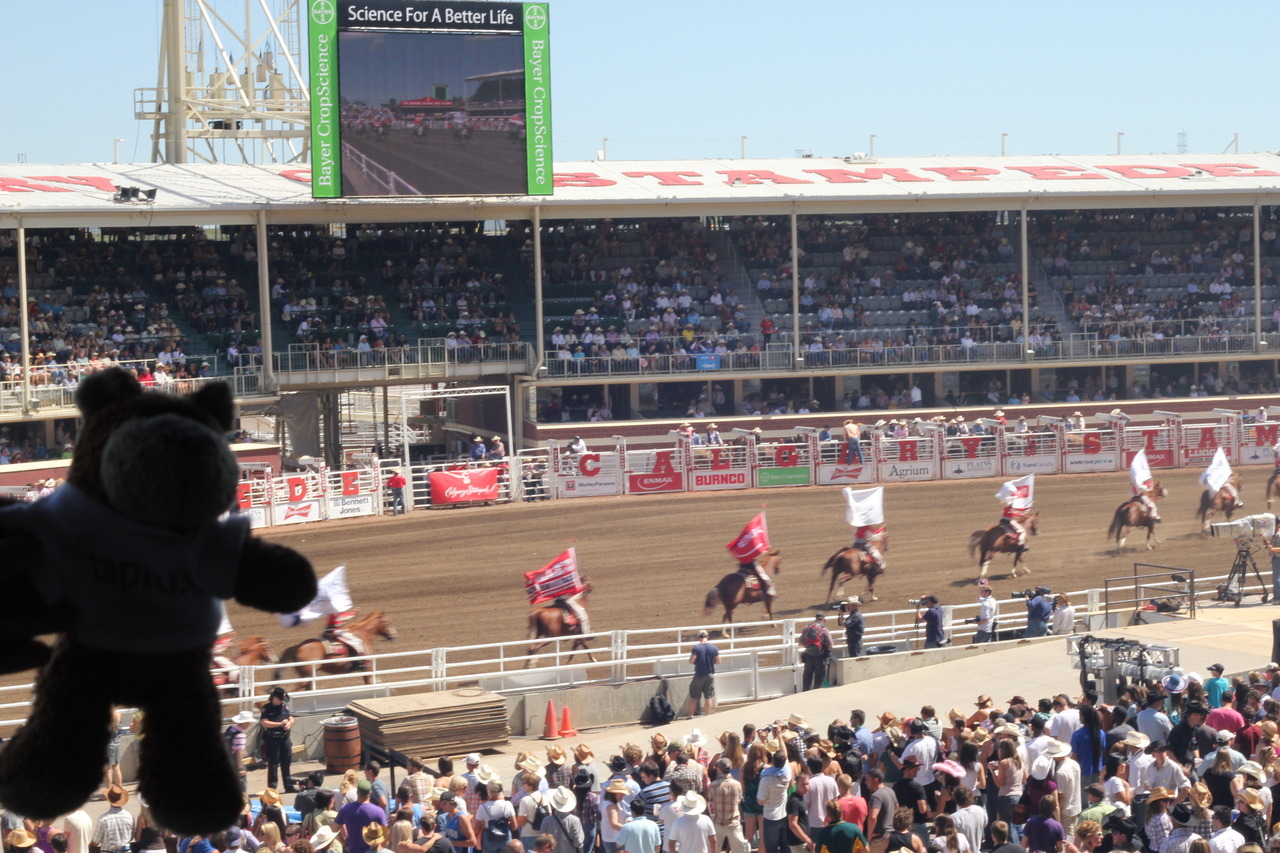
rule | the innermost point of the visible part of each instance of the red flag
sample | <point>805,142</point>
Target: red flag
<point>752,541</point>
<point>557,579</point>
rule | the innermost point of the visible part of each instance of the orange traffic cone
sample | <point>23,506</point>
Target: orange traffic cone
<point>566,724</point>
<point>549,727</point>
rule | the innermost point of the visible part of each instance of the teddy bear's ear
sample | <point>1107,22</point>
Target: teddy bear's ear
<point>216,401</point>
<point>102,389</point>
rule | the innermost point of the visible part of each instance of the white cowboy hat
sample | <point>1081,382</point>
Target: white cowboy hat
<point>244,718</point>
<point>1057,749</point>
<point>1041,767</point>
<point>323,837</point>
<point>486,774</point>
<point>1137,740</point>
<point>692,803</point>
<point>695,738</point>
<point>562,799</point>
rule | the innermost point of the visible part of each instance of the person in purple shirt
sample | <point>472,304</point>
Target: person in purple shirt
<point>1043,834</point>
<point>354,817</point>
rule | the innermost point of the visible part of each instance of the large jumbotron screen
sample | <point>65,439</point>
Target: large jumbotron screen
<point>429,98</point>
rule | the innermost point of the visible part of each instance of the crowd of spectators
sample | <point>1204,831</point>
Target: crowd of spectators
<point>1174,760</point>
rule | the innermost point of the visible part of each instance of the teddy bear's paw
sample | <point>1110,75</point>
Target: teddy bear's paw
<point>172,805</point>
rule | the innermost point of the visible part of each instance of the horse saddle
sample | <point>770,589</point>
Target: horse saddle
<point>342,645</point>
<point>570,618</point>
<point>749,579</point>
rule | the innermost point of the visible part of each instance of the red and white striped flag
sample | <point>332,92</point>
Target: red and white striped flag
<point>752,541</point>
<point>557,579</point>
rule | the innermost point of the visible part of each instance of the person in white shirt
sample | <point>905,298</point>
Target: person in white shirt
<point>970,820</point>
<point>693,831</point>
<point>1063,621</point>
<point>1040,739</point>
<point>1065,719</point>
<point>1067,774</point>
<point>1224,839</point>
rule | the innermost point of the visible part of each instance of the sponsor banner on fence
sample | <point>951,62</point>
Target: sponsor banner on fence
<point>899,472</point>
<point>1078,463</point>
<point>1042,464</point>
<point>588,487</point>
<point>1201,442</point>
<point>258,516</point>
<point>645,484</point>
<point>837,474</point>
<point>962,468</point>
<point>716,479</point>
<point>351,506</point>
<point>297,512</point>
<point>452,487</point>
<point>1257,455</point>
<point>1160,458</point>
<point>796,475</point>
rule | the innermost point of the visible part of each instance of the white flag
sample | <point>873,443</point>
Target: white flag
<point>224,627</point>
<point>1140,472</point>
<point>1019,493</point>
<point>864,507</point>
<point>332,596</point>
<point>1217,474</point>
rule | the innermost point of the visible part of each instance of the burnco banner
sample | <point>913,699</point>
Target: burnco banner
<point>453,487</point>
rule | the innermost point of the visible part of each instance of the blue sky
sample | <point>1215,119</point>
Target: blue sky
<point>665,79</point>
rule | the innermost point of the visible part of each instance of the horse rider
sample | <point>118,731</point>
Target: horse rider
<point>751,568</point>
<point>334,633</point>
<point>1142,496</point>
<point>226,670</point>
<point>1011,520</point>
<point>573,603</point>
<point>864,540</point>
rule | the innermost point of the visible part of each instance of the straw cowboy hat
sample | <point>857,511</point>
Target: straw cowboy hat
<point>562,799</point>
<point>691,803</point>
<point>1251,798</point>
<point>797,720</point>
<point>20,839</point>
<point>658,742</point>
<point>583,754</point>
<point>531,765</point>
<point>117,796</point>
<point>1137,740</point>
<point>618,786</point>
<point>375,835</point>
<point>324,836</point>
<point>269,797</point>
<point>486,775</point>
<point>955,714</point>
<point>1057,749</point>
<point>555,754</point>
<point>1159,793</point>
<point>984,701</point>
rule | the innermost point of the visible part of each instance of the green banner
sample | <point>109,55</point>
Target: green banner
<point>794,476</point>
<point>326,123</point>
<point>537,96</point>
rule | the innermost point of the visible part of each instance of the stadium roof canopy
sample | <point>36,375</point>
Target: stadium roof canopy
<point>43,195</point>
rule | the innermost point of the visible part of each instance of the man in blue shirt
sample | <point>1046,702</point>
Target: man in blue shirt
<point>704,657</point>
<point>932,617</point>
<point>1214,687</point>
<point>1038,612</point>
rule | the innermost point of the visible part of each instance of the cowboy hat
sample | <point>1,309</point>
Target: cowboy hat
<point>1057,749</point>
<point>555,754</point>
<point>486,774</point>
<point>955,714</point>
<point>269,797</point>
<point>375,834</point>
<point>658,741</point>
<point>20,838</point>
<point>695,738</point>
<point>1042,767</point>
<point>324,836</point>
<point>1008,729</point>
<point>853,601</point>
<point>1251,798</point>
<point>984,701</point>
<point>1174,682</point>
<point>117,796</point>
<point>583,753</point>
<point>950,767</point>
<point>1252,768</point>
<point>1202,795</point>
<point>1159,793</point>
<point>243,718</point>
<point>562,799</point>
<point>797,720</point>
<point>980,736</point>
<point>531,765</point>
<point>1137,740</point>
<point>691,803</point>
<point>1183,815</point>
<point>618,786</point>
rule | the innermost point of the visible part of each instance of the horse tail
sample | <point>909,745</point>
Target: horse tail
<point>831,562</point>
<point>975,539</point>
<point>1113,532</point>
<point>713,597</point>
<point>533,625</point>
<point>1206,500</point>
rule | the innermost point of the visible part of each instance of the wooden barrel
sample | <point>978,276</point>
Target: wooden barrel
<point>341,744</point>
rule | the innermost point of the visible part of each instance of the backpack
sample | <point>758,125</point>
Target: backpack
<point>541,811</point>
<point>498,829</point>
<point>812,639</point>
<point>660,711</point>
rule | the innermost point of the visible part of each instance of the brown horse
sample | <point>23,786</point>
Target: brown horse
<point>316,656</point>
<point>254,650</point>
<point>849,563</point>
<point>997,540</point>
<point>1221,502</point>
<point>1132,514</point>
<point>1273,486</point>
<point>735,588</point>
<point>552,621</point>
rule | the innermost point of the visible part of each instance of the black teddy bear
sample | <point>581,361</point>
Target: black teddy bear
<point>127,562</point>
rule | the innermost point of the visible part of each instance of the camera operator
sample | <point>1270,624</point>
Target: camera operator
<point>1038,611</point>
<point>930,612</point>
<point>988,613</point>
<point>815,644</point>
<point>854,625</point>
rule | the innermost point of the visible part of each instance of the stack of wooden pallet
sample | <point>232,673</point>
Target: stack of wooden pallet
<point>430,725</point>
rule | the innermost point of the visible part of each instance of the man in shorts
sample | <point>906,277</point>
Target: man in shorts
<point>704,656</point>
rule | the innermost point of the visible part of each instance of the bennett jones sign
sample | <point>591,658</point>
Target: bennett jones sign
<point>453,487</point>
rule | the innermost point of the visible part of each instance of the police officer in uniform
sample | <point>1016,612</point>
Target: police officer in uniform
<point>276,721</point>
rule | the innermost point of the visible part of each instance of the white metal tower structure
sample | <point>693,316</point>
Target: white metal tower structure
<point>231,85</point>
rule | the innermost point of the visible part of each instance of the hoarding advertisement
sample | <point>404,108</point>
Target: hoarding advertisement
<point>430,98</point>
<point>537,99</point>
<point>326,142</point>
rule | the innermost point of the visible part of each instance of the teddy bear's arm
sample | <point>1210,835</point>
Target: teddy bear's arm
<point>274,578</point>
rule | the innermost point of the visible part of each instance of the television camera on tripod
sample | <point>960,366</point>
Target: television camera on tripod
<point>1250,535</point>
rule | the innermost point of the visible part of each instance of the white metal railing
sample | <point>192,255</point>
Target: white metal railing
<point>758,649</point>
<point>388,181</point>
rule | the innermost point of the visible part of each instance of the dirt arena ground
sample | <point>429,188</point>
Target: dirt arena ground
<point>453,577</point>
